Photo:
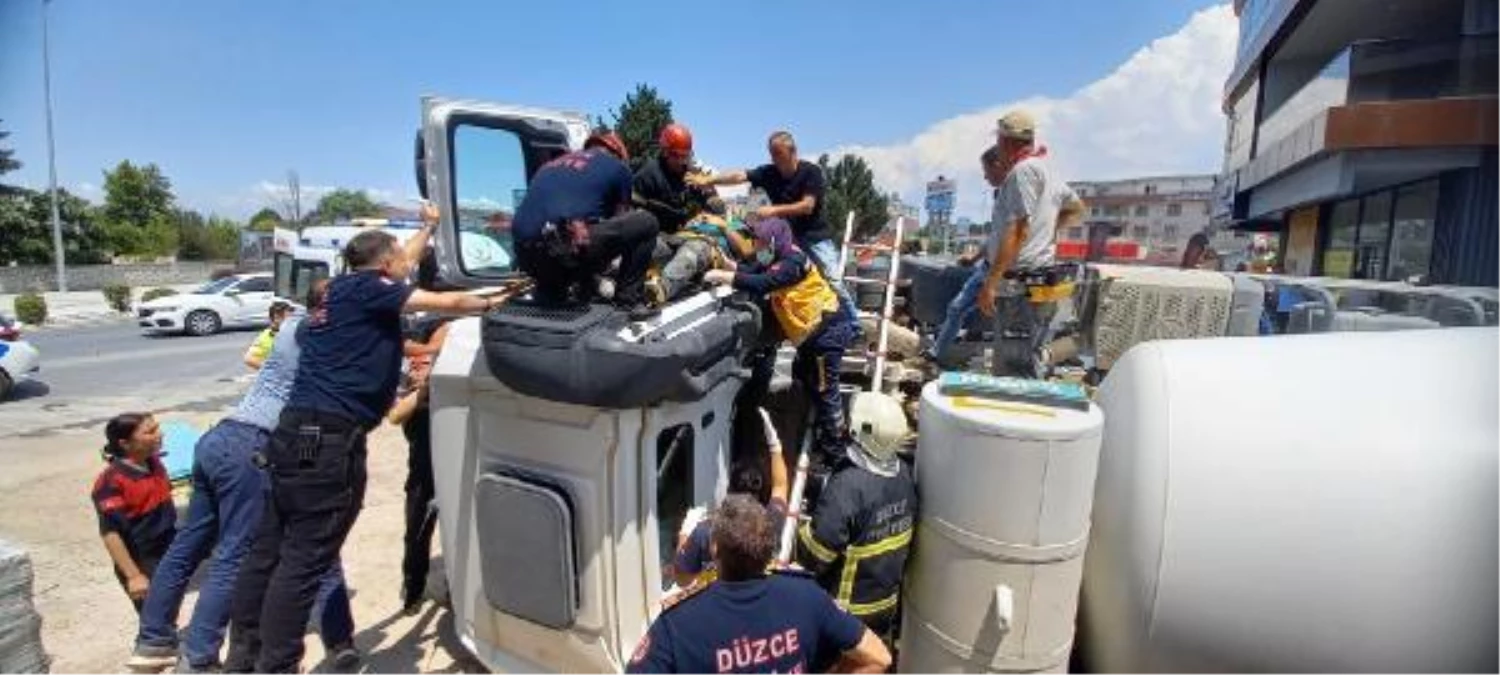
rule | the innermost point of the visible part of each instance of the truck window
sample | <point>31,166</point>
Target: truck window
<point>489,177</point>
<point>674,491</point>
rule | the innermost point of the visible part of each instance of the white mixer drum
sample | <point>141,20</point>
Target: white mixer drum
<point>1005,497</point>
<point>1317,503</point>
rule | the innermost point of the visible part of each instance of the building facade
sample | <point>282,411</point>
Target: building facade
<point>1147,219</point>
<point>1364,133</point>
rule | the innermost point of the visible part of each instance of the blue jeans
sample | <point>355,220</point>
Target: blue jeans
<point>229,494</point>
<point>826,256</point>
<point>960,311</point>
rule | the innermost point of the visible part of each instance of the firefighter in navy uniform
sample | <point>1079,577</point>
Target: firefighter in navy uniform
<point>751,621</point>
<point>857,541</point>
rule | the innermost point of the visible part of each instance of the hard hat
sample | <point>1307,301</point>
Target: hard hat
<point>676,140</point>
<point>878,424</point>
<point>610,142</point>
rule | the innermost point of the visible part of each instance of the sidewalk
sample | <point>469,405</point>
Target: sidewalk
<point>82,308</point>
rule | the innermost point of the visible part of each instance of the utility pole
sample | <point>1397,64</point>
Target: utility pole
<point>57,240</point>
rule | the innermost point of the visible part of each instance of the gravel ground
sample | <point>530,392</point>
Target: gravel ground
<point>89,626</point>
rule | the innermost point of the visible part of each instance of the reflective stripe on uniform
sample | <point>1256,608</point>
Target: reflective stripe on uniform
<point>818,550</point>
<point>868,608</point>
<point>855,554</point>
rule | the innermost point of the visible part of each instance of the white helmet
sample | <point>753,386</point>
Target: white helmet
<point>878,425</point>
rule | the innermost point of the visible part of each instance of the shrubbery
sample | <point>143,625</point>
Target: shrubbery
<point>31,308</point>
<point>118,297</point>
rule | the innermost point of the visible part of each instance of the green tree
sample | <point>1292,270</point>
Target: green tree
<point>851,187</point>
<point>639,121</point>
<point>26,229</point>
<point>137,195</point>
<point>8,163</point>
<point>344,204</point>
<point>138,217</point>
<point>265,220</point>
<point>213,238</point>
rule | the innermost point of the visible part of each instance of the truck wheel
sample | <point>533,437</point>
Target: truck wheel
<point>6,384</point>
<point>203,322</point>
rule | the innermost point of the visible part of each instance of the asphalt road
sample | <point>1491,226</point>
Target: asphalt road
<point>89,373</point>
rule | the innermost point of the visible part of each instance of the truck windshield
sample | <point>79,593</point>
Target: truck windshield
<point>294,278</point>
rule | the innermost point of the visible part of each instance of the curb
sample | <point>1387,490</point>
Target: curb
<point>78,321</point>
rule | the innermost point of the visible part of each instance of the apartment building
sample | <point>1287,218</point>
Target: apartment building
<point>1144,220</point>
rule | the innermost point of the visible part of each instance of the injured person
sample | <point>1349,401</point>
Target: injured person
<point>705,243</point>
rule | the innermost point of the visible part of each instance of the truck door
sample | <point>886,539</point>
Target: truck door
<point>474,160</point>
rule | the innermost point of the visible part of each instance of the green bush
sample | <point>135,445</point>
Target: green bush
<point>155,293</point>
<point>31,308</point>
<point>118,297</point>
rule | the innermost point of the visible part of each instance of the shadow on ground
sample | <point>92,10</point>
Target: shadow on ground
<point>27,390</point>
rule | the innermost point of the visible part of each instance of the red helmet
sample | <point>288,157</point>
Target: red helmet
<point>675,139</point>
<point>610,142</point>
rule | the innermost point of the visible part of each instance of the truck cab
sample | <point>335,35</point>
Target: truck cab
<point>559,511</point>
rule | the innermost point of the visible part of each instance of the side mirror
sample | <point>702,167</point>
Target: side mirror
<point>420,155</point>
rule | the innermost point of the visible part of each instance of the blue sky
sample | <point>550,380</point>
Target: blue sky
<point>226,97</point>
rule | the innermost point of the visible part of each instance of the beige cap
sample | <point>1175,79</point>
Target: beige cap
<point>1018,124</point>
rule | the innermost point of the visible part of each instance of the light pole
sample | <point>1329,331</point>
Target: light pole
<point>57,240</point>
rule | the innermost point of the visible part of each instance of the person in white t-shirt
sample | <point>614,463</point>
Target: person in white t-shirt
<point>1033,202</point>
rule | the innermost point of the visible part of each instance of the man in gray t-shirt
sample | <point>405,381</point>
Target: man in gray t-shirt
<point>1032,203</point>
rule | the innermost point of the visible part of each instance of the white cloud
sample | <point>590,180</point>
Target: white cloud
<point>1157,113</point>
<point>88,191</point>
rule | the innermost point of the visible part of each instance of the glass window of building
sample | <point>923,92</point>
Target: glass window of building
<point>1174,209</point>
<point>1343,223</point>
<point>1114,211</point>
<point>1140,211</point>
<point>1170,232</point>
<point>1140,232</point>
<point>1411,231</point>
<point>1374,236</point>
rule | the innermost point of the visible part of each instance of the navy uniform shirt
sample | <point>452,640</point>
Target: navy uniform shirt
<point>806,180</point>
<point>696,555</point>
<point>588,185</point>
<point>781,623</point>
<point>351,349</point>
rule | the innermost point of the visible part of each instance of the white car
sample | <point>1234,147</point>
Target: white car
<point>18,362</point>
<point>237,300</point>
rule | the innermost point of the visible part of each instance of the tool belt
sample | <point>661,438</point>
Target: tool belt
<point>1050,283</point>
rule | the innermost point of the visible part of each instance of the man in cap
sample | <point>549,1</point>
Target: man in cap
<point>576,219</point>
<point>857,541</point>
<point>1032,204</point>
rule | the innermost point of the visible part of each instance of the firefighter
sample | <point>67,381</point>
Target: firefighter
<point>576,219</point>
<point>751,621</point>
<point>857,541</point>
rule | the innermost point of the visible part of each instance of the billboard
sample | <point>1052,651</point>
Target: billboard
<point>940,195</point>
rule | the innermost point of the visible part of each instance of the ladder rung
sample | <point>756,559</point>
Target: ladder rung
<point>879,248</point>
<point>861,280</point>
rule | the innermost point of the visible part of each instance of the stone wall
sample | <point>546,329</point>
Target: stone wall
<point>21,279</point>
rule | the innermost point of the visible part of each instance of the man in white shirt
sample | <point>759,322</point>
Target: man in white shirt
<point>1032,204</point>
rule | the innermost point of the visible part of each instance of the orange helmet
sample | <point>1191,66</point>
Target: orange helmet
<point>676,140</point>
<point>610,142</point>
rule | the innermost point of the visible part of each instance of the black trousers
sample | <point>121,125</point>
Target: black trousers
<point>421,511</point>
<point>317,469</point>
<point>559,276</point>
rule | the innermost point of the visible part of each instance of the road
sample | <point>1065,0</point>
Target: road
<point>91,373</point>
